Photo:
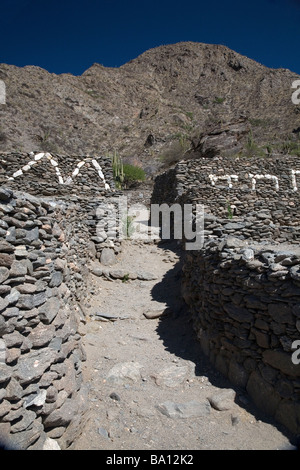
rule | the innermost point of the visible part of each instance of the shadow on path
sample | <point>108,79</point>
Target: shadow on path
<point>175,330</point>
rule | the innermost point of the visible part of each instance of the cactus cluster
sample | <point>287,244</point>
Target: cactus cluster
<point>118,170</point>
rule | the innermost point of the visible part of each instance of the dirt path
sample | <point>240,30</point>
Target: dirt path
<point>149,381</point>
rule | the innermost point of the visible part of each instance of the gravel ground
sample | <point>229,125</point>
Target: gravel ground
<point>151,388</point>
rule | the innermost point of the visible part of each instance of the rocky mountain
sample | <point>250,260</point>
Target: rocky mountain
<point>186,99</point>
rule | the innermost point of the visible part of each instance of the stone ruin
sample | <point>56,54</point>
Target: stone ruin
<point>243,286</point>
<point>48,235</point>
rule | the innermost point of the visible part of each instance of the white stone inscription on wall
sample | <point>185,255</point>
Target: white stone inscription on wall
<point>254,178</point>
<point>69,179</point>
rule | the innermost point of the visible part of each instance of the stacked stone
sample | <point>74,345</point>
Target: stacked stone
<point>41,392</point>
<point>243,286</point>
<point>106,229</point>
<point>190,182</point>
<point>245,305</point>
<point>257,226</point>
<point>91,225</point>
<point>42,177</point>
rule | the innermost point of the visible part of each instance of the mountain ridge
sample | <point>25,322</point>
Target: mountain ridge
<point>151,110</point>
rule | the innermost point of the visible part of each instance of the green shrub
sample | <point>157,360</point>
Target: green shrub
<point>133,173</point>
<point>124,173</point>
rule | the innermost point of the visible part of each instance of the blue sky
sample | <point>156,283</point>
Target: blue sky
<point>69,36</point>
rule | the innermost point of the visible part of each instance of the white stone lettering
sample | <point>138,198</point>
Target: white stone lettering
<point>26,167</point>
<point>259,177</point>
<point>228,178</point>
<point>17,173</point>
<point>294,182</point>
<point>69,180</point>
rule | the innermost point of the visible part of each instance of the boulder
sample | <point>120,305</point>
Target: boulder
<point>108,257</point>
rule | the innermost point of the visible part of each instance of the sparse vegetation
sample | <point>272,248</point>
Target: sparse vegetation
<point>176,150</point>
<point>43,137</point>
<point>3,137</point>
<point>125,277</point>
<point>190,115</point>
<point>290,148</point>
<point>118,170</point>
<point>252,149</point>
<point>133,173</point>
<point>263,123</point>
<point>188,127</point>
<point>219,100</point>
<point>229,210</point>
<point>93,93</point>
<point>127,226</point>
<point>124,173</point>
<point>72,105</point>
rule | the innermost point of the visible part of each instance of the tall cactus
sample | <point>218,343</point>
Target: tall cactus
<point>118,170</point>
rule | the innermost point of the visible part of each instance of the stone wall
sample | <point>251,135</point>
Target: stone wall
<point>41,392</point>
<point>243,286</point>
<point>91,225</point>
<point>48,174</point>
<point>244,300</point>
<point>78,187</point>
<point>58,214</point>
<point>218,183</point>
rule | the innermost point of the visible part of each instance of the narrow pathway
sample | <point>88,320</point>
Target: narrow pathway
<point>149,381</point>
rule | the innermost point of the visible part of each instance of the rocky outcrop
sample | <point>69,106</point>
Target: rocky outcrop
<point>223,140</point>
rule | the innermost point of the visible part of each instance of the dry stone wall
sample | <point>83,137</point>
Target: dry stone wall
<point>41,388</point>
<point>42,173</point>
<point>57,214</point>
<point>244,299</point>
<point>243,285</point>
<point>246,185</point>
<point>78,187</point>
